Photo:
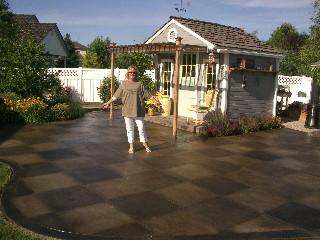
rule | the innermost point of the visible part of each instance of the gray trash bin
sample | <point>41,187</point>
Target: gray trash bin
<point>312,120</point>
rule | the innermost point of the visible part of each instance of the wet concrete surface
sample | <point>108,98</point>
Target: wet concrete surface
<point>75,180</point>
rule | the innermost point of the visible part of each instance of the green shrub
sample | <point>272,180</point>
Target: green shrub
<point>147,82</point>
<point>59,94</point>
<point>14,110</point>
<point>258,122</point>
<point>31,110</point>
<point>8,116</point>
<point>104,91</point>
<point>67,111</point>
<point>217,124</point>
<point>60,111</point>
<point>248,123</point>
<point>76,110</point>
<point>10,96</point>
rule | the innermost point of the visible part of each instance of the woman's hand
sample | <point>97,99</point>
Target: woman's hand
<point>105,105</point>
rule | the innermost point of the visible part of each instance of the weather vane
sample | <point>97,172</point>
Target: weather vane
<point>181,8</point>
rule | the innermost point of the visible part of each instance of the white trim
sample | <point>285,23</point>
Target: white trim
<point>224,85</point>
<point>209,44</point>
<point>158,33</point>
<point>253,53</point>
<point>175,35</point>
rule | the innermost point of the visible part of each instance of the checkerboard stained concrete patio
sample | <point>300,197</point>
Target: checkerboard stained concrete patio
<point>75,180</point>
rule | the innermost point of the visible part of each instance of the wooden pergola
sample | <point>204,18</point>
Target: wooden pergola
<point>176,47</point>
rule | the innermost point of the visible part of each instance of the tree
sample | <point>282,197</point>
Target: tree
<point>7,25</point>
<point>23,65</point>
<point>73,58</point>
<point>90,60</point>
<point>289,41</point>
<point>142,62</point>
<point>99,48</point>
<point>315,18</point>
<point>310,52</point>
<point>286,38</point>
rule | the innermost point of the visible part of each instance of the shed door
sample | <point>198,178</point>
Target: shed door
<point>210,76</point>
<point>187,83</point>
<point>166,77</point>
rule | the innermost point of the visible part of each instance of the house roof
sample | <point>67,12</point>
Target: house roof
<point>40,30</point>
<point>25,18</point>
<point>79,46</point>
<point>222,36</point>
<point>29,24</point>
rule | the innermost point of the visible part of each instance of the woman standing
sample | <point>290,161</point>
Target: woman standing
<point>133,94</point>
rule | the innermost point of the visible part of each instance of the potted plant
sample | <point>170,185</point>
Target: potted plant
<point>283,92</point>
<point>151,107</point>
<point>295,110</point>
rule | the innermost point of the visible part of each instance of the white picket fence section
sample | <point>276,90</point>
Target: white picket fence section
<point>300,87</point>
<point>85,81</point>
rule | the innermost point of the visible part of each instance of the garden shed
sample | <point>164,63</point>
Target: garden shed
<point>213,56</point>
<point>241,67</point>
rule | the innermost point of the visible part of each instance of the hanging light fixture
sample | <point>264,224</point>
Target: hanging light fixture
<point>152,65</point>
<point>211,59</point>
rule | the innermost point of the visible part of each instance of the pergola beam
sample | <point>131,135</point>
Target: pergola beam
<point>154,48</point>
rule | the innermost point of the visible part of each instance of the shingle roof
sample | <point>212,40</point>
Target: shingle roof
<point>29,23</point>
<point>79,46</point>
<point>24,18</point>
<point>40,30</point>
<point>225,36</point>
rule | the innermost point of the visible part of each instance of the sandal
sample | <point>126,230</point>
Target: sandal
<point>148,150</point>
<point>131,150</point>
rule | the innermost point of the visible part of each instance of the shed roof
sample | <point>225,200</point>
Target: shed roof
<point>223,36</point>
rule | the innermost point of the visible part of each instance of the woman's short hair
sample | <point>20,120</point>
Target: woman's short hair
<point>132,68</point>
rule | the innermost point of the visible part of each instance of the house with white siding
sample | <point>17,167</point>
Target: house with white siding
<point>46,34</point>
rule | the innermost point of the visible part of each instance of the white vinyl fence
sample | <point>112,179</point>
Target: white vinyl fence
<point>300,88</point>
<point>85,81</point>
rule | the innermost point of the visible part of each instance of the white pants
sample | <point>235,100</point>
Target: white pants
<point>130,129</point>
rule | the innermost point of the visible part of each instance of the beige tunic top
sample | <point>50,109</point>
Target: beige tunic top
<point>133,95</point>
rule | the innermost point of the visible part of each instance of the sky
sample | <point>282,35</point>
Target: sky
<point>127,22</point>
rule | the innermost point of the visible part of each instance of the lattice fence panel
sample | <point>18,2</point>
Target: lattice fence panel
<point>300,88</point>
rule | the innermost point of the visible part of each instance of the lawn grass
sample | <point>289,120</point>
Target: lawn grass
<point>8,230</point>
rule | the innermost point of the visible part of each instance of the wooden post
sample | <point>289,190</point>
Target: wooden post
<point>176,86</point>
<point>112,80</point>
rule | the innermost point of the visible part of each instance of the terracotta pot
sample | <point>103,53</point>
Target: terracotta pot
<point>303,116</point>
<point>151,111</point>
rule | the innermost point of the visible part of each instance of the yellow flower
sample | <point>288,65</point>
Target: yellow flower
<point>150,104</point>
